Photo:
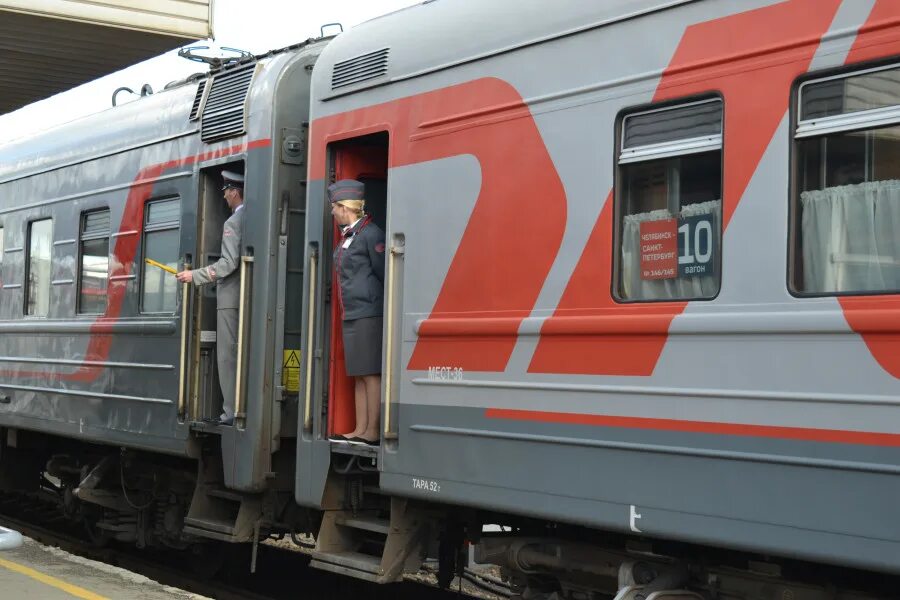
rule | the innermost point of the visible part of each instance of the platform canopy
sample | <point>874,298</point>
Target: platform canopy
<point>49,46</point>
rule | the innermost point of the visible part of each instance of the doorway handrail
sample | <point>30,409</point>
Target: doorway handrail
<point>395,252</point>
<point>310,337</point>
<point>182,368</point>
<point>246,263</point>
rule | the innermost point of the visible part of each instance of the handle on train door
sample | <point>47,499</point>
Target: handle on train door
<point>182,355</point>
<point>396,253</point>
<point>310,337</point>
<point>239,415</point>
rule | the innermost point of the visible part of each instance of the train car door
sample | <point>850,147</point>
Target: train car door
<point>212,212</point>
<point>364,159</point>
<point>327,391</point>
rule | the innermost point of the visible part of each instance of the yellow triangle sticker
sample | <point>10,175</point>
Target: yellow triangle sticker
<point>292,359</point>
<point>290,372</point>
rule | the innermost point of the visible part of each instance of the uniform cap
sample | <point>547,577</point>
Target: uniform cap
<point>346,189</point>
<point>232,179</point>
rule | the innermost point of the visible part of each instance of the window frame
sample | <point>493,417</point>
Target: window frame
<point>672,149</point>
<point>852,121</point>
<point>28,254</point>
<point>80,256</point>
<point>660,153</point>
<point>148,229</point>
<point>2,252</point>
<point>822,127</point>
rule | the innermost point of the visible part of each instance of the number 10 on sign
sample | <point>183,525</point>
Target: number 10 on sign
<point>696,246</point>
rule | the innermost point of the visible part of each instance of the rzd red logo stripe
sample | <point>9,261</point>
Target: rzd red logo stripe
<point>751,58</point>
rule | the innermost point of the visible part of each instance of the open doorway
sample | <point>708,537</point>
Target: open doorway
<point>212,212</point>
<point>365,159</point>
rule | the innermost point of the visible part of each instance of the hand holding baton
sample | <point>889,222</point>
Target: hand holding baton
<point>165,268</point>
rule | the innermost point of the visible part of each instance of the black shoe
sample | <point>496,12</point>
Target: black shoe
<point>338,438</point>
<point>363,441</point>
<point>226,422</point>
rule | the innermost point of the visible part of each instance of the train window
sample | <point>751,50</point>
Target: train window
<point>40,243</point>
<point>161,243</point>
<point>1,244</point>
<point>670,203</point>
<point>94,251</point>
<point>847,206</point>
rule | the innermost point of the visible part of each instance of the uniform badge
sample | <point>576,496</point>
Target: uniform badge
<point>379,247</point>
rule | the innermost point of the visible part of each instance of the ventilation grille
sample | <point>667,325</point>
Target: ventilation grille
<point>195,107</point>
<point>223,113</point>
<point>362,68</point>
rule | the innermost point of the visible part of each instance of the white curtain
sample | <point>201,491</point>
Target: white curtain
<point>851,238</point>
<point>635,288</point>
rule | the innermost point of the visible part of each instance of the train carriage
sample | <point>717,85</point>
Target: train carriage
<point>102,349</point>
<point>641,280</point>
<point>640,300</point>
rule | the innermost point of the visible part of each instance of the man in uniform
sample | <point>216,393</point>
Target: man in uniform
<point>223,272</point>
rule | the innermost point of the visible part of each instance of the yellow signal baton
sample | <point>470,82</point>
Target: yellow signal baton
<point>165,268</point>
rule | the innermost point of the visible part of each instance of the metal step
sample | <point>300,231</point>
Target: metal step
<point>354,564</point>
<point>205,427</point>
<point>225,494</point>
<point>357,449</point>
<point>373,524</point>
<point>199,526</point>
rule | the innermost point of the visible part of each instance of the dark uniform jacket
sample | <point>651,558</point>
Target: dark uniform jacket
<point>360,270</point>
<point>223,271</point>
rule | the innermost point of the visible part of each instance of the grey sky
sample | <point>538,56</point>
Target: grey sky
<point>255,26</point>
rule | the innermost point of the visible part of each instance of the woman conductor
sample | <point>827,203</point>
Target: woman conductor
<point>359,262</point>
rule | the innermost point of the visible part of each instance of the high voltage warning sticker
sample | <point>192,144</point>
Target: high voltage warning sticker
<point>290,371</point>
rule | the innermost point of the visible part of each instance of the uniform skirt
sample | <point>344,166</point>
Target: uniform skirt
<point>362,346</point>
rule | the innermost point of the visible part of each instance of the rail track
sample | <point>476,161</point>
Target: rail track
<point>280,573</point>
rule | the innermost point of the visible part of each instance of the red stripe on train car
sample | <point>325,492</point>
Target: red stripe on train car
<point>141,190</point>
<point>756,101</point>
<point>806,434</point>
<point>874,317</point>
<point>515,229</point>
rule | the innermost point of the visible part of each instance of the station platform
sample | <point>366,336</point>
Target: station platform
<point>40,572</point>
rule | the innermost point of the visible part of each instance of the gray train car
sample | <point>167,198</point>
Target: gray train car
<point>641,295</point>
<point>107,363</point>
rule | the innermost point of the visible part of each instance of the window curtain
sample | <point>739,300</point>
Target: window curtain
<point>635,288</point>
<point>851,238</point>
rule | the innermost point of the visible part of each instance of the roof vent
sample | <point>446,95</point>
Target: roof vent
<point>362,68</point>
<point>195,107</point>
<point>223,112</point>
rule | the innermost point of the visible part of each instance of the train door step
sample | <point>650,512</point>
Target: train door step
<point>354,564</point>
<point>219,513</point>
<point>369,547</point>
<point>372,524</point>
<point>209,528</point>
<point>224,493</point>
<point>354,449</point>
<point>206,427</point>
<point>354,458</point>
